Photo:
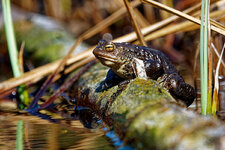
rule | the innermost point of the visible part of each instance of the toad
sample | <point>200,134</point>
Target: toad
<point>122,58</point>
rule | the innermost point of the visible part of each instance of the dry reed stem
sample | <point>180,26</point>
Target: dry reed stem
<point>217,54</point>
<point>217,24</point>
<point>210,75</point>
<point>21,57</point>
<point>75,66</point>
<point>183,15</point>
<point>151,28</point>
<point>184,26</point>
<point>216,82</point>
<point>134,22</point>
<point>141,19</point>
<point>108,21</point>
<point>149,13</point>
<point>216,14</point>
<point>79,64</point>
<point>38,73</point>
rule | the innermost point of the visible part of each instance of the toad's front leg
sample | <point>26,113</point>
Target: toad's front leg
<point>111,80</point>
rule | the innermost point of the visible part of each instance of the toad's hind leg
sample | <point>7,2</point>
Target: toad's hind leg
<point>180,90</point>
<point>184,92</point>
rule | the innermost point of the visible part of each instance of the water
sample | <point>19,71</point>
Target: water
<point>31,132</point>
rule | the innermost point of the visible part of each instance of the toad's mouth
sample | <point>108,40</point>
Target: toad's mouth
<point>106,58</point>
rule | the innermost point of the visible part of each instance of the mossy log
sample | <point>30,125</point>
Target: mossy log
<point>146,116</point>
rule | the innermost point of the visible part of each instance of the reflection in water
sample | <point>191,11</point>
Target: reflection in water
<point>19,135</point>
<point>30,132</point>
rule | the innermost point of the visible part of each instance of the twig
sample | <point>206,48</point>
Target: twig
<point>183,15</point>
<point>135,25</point>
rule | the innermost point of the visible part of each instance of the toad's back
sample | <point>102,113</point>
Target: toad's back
<point>146,53</point>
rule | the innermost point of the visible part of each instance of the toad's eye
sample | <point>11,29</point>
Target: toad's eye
<point>109,47</point>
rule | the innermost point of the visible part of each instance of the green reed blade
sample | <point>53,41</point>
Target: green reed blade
<point>204,56</point>
<point>206,41</point>
<point>11,42</point>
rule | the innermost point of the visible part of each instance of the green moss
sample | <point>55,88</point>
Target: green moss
<point>139,94</point>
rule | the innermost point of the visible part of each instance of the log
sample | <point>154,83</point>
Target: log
<point>145,116</point>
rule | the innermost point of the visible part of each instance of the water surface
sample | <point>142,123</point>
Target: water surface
<point>31,132</point>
